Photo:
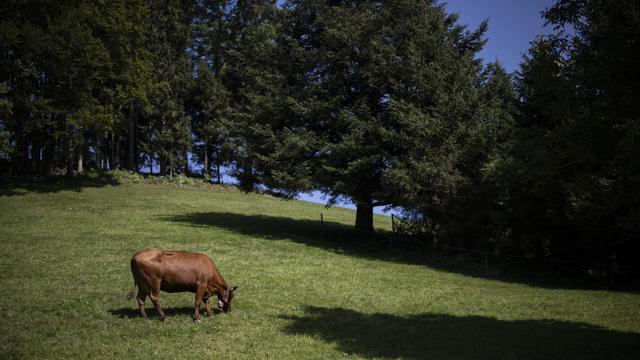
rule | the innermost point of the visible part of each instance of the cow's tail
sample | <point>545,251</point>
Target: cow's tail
<point>134,271</point>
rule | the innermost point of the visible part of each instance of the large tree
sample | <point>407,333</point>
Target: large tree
<point>210,114</point>
<point>167,128</point>
<point>454,189</point>
<point>577,173</point>
<point>271,139</point>
<point>209,102</point>
<point>392,85</point>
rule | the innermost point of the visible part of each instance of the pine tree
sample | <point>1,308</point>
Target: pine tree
<point>393,86</point>
<point>210,98</point>
<point>577,154</point>
<point>270,146</point>
<point>210,115</point>
<point>166,125</point>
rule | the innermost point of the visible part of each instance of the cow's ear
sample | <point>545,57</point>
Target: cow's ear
<point>234,288</point>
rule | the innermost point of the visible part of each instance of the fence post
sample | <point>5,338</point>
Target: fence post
<point>486,261</point>
<point>393,232</point>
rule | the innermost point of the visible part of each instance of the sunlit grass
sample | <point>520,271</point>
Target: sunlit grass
<point>64,274</point>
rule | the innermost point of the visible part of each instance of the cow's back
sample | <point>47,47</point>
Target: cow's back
<point>176,271</point>
<point>150,261</point>
<point>185,261</point>
<point>202,267</point>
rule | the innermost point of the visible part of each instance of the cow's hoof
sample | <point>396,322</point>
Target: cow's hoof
<point>197,320</point>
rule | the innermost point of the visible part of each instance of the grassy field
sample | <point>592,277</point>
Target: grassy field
<point>304,291</point>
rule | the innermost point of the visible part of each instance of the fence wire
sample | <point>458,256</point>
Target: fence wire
<point>416,234</point>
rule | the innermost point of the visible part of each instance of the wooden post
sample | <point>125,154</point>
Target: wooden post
<point>486,261</point>
<point>393,232</point>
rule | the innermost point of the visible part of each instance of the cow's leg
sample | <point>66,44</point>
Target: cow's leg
<point>199,294</point>
<point>141,298</point>
<point>207,305</point>
<point>155,298</point>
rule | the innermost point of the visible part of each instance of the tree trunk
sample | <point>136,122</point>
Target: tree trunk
<point>109,141</point>
<point>206,170</point>
<point>186,164</point>
<point>136,147</point>
<point>364,217</point>
<point>115,143</point>
<point>151,153</point>
<point>35,154</point>
<point>98,155</point>
<point>122,151</point>
<point>22,145</point>
<point>85,155</point>
<point>107,153</point>
<point>218,176</point>
<point>247,182</point>
<point>131,140</point>
<point>69,153</point>
<point>80,150</point>
<point>48,159</point>
<point>163,166</point>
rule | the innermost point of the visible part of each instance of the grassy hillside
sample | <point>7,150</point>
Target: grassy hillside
<point>64,273</point>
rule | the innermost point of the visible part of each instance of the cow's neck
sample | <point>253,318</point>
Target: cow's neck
<point>220,285</point>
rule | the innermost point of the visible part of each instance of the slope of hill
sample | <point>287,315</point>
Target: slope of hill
<point>64,273</point>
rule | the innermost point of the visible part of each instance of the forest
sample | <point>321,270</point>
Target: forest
<point>381,103</point>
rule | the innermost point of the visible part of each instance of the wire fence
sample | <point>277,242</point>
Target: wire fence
<point>417,236</point>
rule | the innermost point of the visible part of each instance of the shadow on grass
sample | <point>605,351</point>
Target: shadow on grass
<point>440,336</point>
<point>327,235</point>
<point>129,313</point>
<point>20,185</point>
<point>340,238</point>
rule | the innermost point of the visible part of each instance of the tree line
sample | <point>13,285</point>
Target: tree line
<point>382,103</point>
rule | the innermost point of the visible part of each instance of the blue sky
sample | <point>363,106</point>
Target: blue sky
<point>513,24</point>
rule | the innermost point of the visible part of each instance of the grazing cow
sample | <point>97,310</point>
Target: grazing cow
<point>178,271</point>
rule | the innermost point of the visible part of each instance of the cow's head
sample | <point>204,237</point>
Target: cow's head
<point>224,299</point>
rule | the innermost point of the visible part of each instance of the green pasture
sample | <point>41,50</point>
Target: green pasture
<point>305,291</point>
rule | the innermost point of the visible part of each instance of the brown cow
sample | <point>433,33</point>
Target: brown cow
<point>178,271</point>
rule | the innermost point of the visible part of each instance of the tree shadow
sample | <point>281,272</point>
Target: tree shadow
<point>329,235</point>
<point>341,238</point>
<point>20,185</point>
<point>442,336</point>
<point>130,312</point>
